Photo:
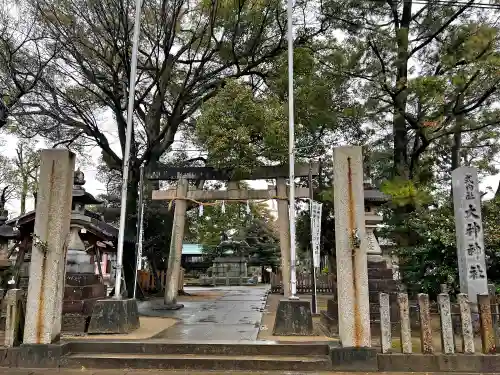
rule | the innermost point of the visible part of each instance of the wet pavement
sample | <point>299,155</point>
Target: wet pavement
<point>234,316</point>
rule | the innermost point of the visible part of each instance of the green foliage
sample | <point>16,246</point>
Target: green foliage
<point>246,125</point>
<point>427,250</point>
<point>209,229</point>
<point>239,130</point>
<point>405,193</point>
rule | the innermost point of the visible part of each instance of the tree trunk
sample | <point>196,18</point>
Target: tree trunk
<point>457,137</point>
<point>24,194</point>
<point>400,133</point>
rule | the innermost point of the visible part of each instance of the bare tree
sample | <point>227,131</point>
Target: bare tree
<point>23,59</point>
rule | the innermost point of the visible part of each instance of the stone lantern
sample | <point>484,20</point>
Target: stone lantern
<point>373,199</point>
<point>82,287</point>
<point>78,260</point>
<point>7,233</point>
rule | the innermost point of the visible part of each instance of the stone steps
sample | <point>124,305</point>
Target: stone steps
<point>195,362</point>
<point>197,356</point>
<point>202,348</point>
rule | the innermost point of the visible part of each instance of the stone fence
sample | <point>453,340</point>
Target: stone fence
<point>480,318</point>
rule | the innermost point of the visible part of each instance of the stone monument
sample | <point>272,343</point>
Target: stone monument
<point>48,257</point>
<point>469,231</point>
<point>351,248</point>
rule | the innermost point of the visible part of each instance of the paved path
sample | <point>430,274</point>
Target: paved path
<point>235,316</point>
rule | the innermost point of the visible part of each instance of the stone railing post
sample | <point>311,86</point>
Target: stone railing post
<point>487,334</point>
<point>425,324</point>
<point>494,313</point>
<point>404,316</point>
<point>466,324</point>
<point>447,336</point>
<point>385,323</point>
<point>14,317</point>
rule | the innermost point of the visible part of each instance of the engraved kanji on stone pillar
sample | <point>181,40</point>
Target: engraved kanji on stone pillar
<point>425,324</point>
<point>466,324</point>
<point>447,337</point>
<point>404,316</point>
<point>469,232</point>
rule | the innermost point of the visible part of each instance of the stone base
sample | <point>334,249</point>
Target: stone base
<point>114,316</point>
<point>169,306</point>
<point>374,257</point>
<point>74,323</point>
<point>354,359</point>
<point>293,318</point>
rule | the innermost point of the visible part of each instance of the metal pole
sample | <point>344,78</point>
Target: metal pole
<point>291,146</point>
<point>126,154</point>
<point>138,247</point>
<point>314,306</point>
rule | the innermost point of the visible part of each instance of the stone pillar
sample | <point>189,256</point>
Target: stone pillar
<point>13,316</point>
<point>174,258</point>
<point>487,332</point>
<point>351,248</point>
<point>466,324</point>
<point>447,336</point>
<point>284,227</point>
<point>385,323</point>
<point>404,316</point>
<point>469,232</point>
<point>48,257</point>
<point>425,323</point>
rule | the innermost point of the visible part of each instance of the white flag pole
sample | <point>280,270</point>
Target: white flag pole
<point>291,148</point>
<point>126,154</point>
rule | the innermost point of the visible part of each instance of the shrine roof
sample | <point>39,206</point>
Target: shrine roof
<point>376,196</point>
<point>96,226</point>
<point>191,249</point>
<point>81,196</point>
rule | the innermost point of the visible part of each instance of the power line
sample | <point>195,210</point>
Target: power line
<point>447,3</point>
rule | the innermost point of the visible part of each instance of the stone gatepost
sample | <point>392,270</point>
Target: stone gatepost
<point>48,257</point>
<point>174,258</point>
<point>351,248</point>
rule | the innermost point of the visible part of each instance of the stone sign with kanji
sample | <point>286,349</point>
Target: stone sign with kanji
<point>469,230</point>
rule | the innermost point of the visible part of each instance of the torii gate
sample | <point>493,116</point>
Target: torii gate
<point>182,193</point>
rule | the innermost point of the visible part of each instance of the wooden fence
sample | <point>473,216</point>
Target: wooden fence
<point>324,283</point>
<point>147,282</point>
